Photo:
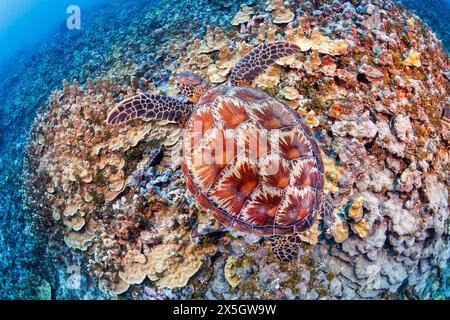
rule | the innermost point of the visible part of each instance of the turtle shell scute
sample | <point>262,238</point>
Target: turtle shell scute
<point>253,162</point>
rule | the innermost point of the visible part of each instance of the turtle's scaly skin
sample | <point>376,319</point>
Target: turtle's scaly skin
<point>149,106</point>
<point>259,60</point>
<point>272,186</point>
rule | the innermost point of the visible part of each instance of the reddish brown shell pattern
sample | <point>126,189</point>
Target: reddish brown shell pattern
<point>253,162</point>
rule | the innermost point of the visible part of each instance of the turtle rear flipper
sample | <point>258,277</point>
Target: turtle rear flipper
<point>326,210</point>
<point>149,107</point>
<point>259,60</point>
<point>285,248</point>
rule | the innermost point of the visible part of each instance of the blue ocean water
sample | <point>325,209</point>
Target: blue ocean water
<point>23,24</point>
<point>37,51</point>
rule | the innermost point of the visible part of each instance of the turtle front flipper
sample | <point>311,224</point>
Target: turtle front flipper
<point>259,60</point>
<point>149,107</point>
<point>285,248</point>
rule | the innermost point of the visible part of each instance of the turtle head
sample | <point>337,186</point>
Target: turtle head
<point>191,85</point>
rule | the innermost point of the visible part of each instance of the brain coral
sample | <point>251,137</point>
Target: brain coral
<point>372,80</point>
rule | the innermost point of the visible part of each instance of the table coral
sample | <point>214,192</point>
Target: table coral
<point>280,13</point>
<point>243,15</point>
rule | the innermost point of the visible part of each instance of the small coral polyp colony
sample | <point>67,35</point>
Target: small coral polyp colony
<point>371,80</point>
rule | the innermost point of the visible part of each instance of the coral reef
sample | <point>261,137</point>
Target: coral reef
<point>371,82</point>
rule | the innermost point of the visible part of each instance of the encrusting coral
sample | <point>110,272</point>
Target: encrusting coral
<point>375,94</point>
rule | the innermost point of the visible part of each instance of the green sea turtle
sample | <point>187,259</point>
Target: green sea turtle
<point>247,158</point>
